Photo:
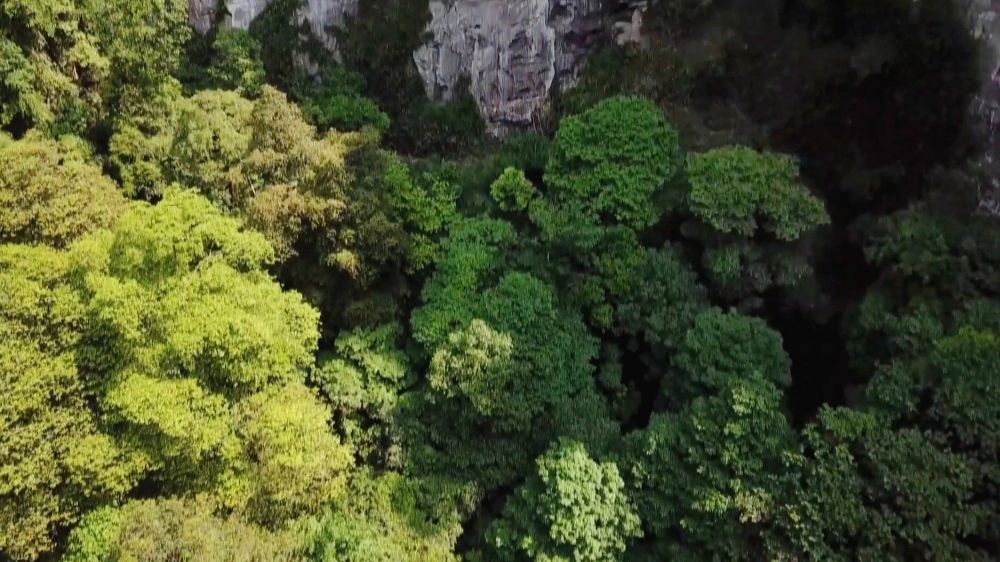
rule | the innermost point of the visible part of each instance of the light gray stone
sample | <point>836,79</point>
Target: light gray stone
<point>505,48</point>
<point>513,53</point>
<point>984,21</point>
<point>321,15</point>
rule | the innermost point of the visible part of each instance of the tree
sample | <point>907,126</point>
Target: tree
<point>335,206</point>
<point>167,335</point>
<point>571,508</point>
<point>55,461</point>
<point>172,529</point>
<point>751,213</point>
<point>938,269</point>
<point>506,359</point>
<point>512,190</point>
<point>362,380</point>
<point>950,392</point>
<point>719,345</point>
<point>612,163</point>
<point>236,64</point>
<point>51,192</point>
<point>51,66</point>
<point>177,387</point>
<point>708,481</point>
<point>870,492</point>
<point>143,41</point>
<point>653,292</point>
<point>335,100</point>
<point>389,517</point>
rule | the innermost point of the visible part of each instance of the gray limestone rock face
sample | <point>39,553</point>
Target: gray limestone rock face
<point>514,52</point>
<point>984,19</point>
<point>320,14</point>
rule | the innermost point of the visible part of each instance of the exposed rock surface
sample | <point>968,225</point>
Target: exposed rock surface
<point>984,17</point>
<point>321,14</point>
<point>514,52</point>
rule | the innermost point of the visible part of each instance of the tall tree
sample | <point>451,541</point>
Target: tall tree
<point>751,214</point>
<point>571,509</point>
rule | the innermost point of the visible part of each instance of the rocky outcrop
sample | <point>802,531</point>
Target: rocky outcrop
<point>984,17</point>
<point>512,53</point>
<point>321,15</point>
<point>515,52</point>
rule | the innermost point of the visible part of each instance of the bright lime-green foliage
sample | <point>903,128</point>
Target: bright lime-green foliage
<point>69,64</point>
<point>237,62</point>
<point>35,303</point>
<point>51,192</point>
<point>750,210</point>
<point>721,346</point>
<point>50,62</point>
<point>362,381</point>
<point>512,191</point>
<point>297,464</point>
<point>389,518</point>
<point>715,472</point>
<point>611,163</point>
<point>197,142</point>
<point>191,364</point>
<point>143,41</point>
<point>54,460</point>
<point>571,509</point>
<point>190,336</point>
<point>171,529</point>
<point>335,198</point>
<point>870,492</point>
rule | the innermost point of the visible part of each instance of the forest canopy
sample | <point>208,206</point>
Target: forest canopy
<point>263,303</point>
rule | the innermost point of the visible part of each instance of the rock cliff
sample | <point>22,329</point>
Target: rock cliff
<point>513,52</point>
<point>321,14</point>
<point>984,18</point>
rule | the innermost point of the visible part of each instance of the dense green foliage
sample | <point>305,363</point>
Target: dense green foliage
<point>572,508</point>
<point>263,303</point>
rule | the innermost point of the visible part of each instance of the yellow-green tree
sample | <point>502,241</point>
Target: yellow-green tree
<point>163,352</point>
<point>51,192</point>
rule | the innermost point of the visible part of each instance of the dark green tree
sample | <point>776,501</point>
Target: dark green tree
<point>709,480</point>
<point>719,345</point>
<point>752,215</point>
<point>507,360</point>
<point>871,492</point>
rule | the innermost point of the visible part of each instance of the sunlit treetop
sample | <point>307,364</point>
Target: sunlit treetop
<point>51,192</point>
<point>741,191</point>
<point>612,162</point>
